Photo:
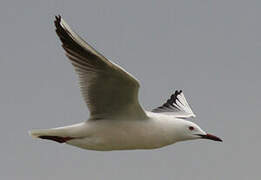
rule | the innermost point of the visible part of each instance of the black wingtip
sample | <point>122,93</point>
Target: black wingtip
<point>58,17</point>
<point>178,92</point>
<point>57,20</point>
<point>174,96</point>
<point>171,102</point>
<point>60,30</point>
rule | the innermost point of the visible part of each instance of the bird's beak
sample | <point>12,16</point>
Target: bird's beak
<point>210,136</point>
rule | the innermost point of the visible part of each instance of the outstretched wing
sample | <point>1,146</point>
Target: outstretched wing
<point>177,105</point>
<point>108,90</point>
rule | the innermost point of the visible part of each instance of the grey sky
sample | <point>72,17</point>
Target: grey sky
<point>209,49</point>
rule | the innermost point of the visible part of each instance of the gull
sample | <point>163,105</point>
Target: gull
<point>117,121</point>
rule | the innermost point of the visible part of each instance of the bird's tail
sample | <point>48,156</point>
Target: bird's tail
<point>60,135</point>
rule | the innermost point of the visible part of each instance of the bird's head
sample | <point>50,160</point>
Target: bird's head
<point>189,131</point>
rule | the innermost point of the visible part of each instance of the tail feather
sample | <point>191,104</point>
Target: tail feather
<point>57,138</point>
<point>50,134</point>
<point>38,133</point>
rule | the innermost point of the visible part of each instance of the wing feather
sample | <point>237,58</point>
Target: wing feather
<point>109,91</point>
<point>177,105</point>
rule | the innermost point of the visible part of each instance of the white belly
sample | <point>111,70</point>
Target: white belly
<point>106,135</point>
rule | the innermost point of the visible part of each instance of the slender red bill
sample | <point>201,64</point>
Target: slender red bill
<point>211,137</point>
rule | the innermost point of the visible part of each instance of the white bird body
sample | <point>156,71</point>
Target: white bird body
<point>117,120</point>
<point>157,131</point>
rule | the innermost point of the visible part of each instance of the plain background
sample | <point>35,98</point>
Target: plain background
<point>209,49</point>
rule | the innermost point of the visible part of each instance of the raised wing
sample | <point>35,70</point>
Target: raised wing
<point>108,90</point>
<point>177,105</point>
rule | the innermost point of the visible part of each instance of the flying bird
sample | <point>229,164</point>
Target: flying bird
<point>117,121</point>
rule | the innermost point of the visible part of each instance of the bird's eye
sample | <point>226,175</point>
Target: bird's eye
<point>191,128</point>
